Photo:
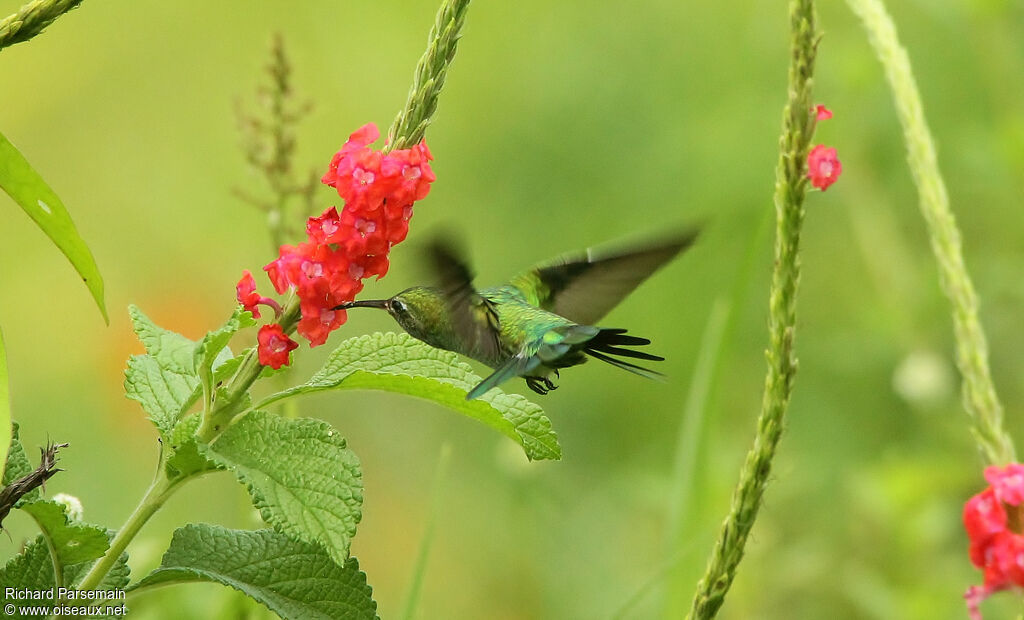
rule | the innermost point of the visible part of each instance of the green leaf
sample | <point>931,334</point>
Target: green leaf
<point>302,478</point>
<point>5,409</point>
<point>73,541</point>
<point>211,351</point>
<point>30,191</point>
<point>18,466</point>
<point>169,379</point>
<point>164,380</point>
<point>186,458</point>
<point>400,363</point>
<point>292,578</point>
<point>32,569</point>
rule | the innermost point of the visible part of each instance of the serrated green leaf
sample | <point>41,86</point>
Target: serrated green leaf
<point>34,196</point>
<point>210,351</point>
<point>18,466</point>
<point>302,478</point>
<point>161,392</point>
<point>399,363</point>
<point>292,578</point>
<point>163,380</point>
<point>5,409</point>
<point>74,542</point>
<point>172,349</point>
<point>32,570</point>
<point>185,458</point>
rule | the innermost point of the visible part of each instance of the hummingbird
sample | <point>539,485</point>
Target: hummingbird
<point>541,321</point>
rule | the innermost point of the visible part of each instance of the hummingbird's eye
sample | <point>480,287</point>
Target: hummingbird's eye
<point>398,306</point>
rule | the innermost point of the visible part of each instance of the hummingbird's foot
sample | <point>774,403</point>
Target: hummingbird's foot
<point>540,385</point>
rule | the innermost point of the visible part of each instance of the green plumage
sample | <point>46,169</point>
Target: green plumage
<point>538,323</point>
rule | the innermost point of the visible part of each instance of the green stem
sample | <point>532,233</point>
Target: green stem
<point>32,19</point>
<point>159,491</point>
<point>431,71</point>
<point>217,417</point>
<point>979,393</point>
<point>790,189</point>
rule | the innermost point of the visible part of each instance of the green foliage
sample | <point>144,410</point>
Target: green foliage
<point>186,459</point>
<point>23,184</point>
<point>5,408</point>
<point>18,466</point>
<point>302,478</point>
<point>169,378</point>
<point>72,541</point>
<point>294,579</point>
<point>400,363</point>
<point>212,352</point>
<point>33,569</point>
<point>164,379</point>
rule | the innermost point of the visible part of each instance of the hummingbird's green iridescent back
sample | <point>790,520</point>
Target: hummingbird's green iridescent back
<point>540,322</point>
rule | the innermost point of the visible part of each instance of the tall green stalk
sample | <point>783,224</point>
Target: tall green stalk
<point>31,19</point>
<point>979,393</point>
<point>790,189</point>
<point>431,72</point>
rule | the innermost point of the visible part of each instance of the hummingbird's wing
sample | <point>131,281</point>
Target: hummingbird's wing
<point>473,317</point>
<point>583,288</point>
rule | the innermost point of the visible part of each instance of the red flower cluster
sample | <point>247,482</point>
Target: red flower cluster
<point>822,113</point>
<point>996,540</point>
<point>344,248</point>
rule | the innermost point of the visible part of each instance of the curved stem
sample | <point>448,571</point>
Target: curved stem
<point>979,392</point>
<point>217,416</point>
<point>159,491</point>
<point>790,189</point>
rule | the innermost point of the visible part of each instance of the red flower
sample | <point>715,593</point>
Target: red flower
<point>996,544</point>
<point>823,167</point>
<point>822,113</point>
<point>345,248</point>
<point>274,346</point>
<point>246,293</point>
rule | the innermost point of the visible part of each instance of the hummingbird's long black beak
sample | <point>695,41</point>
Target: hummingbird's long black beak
<point>381,304</point>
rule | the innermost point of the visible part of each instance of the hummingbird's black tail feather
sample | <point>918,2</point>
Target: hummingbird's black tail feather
<point>633,368</point>
<point>609,342</point>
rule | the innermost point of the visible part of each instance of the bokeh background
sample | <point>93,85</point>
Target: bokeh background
<point>563,125</point>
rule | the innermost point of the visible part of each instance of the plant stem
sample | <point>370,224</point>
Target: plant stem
<point>431,71</point>
<point>217,418</point>
<point>979,393</point>
<point>159,491</point>
<point>32,19</point>
<point>790,189</point>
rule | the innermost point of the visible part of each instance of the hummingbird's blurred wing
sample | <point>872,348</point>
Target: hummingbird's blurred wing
<point>583,288</point>
<point>473,317</point>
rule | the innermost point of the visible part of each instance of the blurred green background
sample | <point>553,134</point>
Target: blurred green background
<point>563,125</point>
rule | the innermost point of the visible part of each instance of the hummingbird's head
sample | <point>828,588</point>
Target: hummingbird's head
<point>419,310</point>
